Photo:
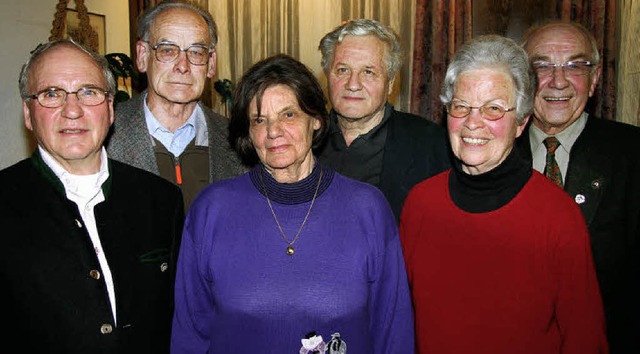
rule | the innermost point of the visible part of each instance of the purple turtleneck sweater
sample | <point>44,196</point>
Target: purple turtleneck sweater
<point>237,291</point>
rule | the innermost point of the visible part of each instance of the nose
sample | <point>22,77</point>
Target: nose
<point>71,108</point>
<point>182,63</point>
<point>354,83</point>
<point>474,119</point>
<point>559,78</point>
<point>274,129</point>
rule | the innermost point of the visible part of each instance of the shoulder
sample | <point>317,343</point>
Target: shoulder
<point>214,118</point>
<point>134,104</point>
<point>609,138</point>
<point>138,179</point>
<point>540,191</point>
<point>16,173</point>
<point>437,182</point>
<point>412,122</point>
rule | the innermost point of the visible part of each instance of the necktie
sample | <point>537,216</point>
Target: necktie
<point>551,169</point>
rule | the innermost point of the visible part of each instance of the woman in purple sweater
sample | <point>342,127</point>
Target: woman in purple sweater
<point>291,256</point>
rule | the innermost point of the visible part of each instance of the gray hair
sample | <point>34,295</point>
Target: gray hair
<point>493,51</point>
<point>36,54</point>
<point>363,27</point>
<point>145,21</point>
<point>595,55</point>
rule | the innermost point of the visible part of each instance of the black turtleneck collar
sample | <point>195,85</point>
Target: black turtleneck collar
<point>292,193</point>
<point>490,190</point>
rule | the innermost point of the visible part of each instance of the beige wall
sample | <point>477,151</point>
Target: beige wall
<point>628,89</point>
<point>24,24</point>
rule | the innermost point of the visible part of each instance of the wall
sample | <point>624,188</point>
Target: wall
<point>24,24</point>
<point>628,91</point>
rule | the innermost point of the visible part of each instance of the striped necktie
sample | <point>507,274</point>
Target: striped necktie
<point>551,169</point>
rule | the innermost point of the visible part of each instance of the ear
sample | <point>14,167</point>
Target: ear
<point>595,77</point>
<point>316,123</point>
<point>111,112</point>
<point>143,53</point>
<point>520,128</point>
<point>391,81</point>
<point>27,115</point>
<point>212,64</point>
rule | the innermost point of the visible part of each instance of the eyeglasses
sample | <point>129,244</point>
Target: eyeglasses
<point>570,68</point>
<point>490,111</point>
<point>54,97</point>
<point>197,54</point>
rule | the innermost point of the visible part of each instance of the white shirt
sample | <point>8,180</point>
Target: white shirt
<point>176,142</point>
<point>567,138</point>
<point>86,192</point>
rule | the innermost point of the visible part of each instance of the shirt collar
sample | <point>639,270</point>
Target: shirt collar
<point>197,121</point>
<point>71,181</point>
<point>567,137</point>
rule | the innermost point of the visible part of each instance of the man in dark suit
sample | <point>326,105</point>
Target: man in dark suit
<point>368,139</point>
<point>89,244</point>
<point>597,164</point>
<point>165,129</point>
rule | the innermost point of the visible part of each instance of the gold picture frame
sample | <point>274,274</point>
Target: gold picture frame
<point>97,23</point>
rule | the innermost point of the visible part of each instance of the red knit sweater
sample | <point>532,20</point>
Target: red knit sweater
<point>516,280</point>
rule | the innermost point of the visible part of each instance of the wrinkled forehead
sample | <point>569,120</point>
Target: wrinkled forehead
<point>180,24</point>
<point>558,41</point>
<point>65,65</point>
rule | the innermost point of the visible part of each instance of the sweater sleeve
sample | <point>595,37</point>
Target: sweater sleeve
<point>579,310</point>
<point>390,307</point>
<point>194,312</point>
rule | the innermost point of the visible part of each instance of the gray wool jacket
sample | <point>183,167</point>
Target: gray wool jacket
<point>129,141</point>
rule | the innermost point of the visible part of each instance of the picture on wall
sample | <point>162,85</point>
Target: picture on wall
<point>97,23</point>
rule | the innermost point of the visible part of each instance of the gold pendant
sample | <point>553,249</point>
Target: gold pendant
<point>290,251</point>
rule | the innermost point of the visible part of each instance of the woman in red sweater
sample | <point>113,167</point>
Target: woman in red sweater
<point>498,257</point>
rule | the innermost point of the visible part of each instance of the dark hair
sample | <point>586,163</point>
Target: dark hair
<point>41,49</point>
<point>145,21</point>
<point>279,69</point>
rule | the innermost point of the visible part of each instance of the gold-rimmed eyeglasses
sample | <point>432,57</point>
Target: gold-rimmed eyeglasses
<point>54,97</point>
<point>490,111</point>
<point>167,52</point>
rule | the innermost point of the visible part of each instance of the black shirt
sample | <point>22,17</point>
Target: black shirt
<point>362,160</point>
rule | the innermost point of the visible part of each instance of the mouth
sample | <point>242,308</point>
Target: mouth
<point>475,141</point>
<point>556,99</point>
<point>72,131</point>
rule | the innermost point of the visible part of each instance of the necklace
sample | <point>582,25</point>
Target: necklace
<point>290,251</point>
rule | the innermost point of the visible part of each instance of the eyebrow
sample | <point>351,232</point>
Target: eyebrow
<point>541,57</point>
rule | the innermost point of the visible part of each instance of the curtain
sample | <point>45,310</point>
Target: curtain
<point>251,30</point>
<point>442,26</point>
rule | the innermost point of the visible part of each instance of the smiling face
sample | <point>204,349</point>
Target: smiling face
<point>178,81</point>
<point>358,82</point>
<point>72,133</point>
<point>479,143</point>
<point>560,99</point>
<point>282,134</point>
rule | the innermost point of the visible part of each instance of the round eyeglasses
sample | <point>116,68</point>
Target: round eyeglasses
<point>54,97</point>
<point>570,68</point>
<point>490,111</point>
<point>197,54</point>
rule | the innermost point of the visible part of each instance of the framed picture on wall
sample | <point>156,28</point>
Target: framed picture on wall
<point>97,23</point>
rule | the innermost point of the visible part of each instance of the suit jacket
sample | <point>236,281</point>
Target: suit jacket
<point>54,295</point>
<point>603,177</point>
<point>130,142</point>
<point>415,149</point>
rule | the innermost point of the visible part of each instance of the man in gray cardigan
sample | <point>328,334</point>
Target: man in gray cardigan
<point>165,130</point>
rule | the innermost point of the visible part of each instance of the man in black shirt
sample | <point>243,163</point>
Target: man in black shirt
<point>368,139</point>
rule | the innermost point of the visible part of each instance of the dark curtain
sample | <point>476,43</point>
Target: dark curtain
<point>442,27</point>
